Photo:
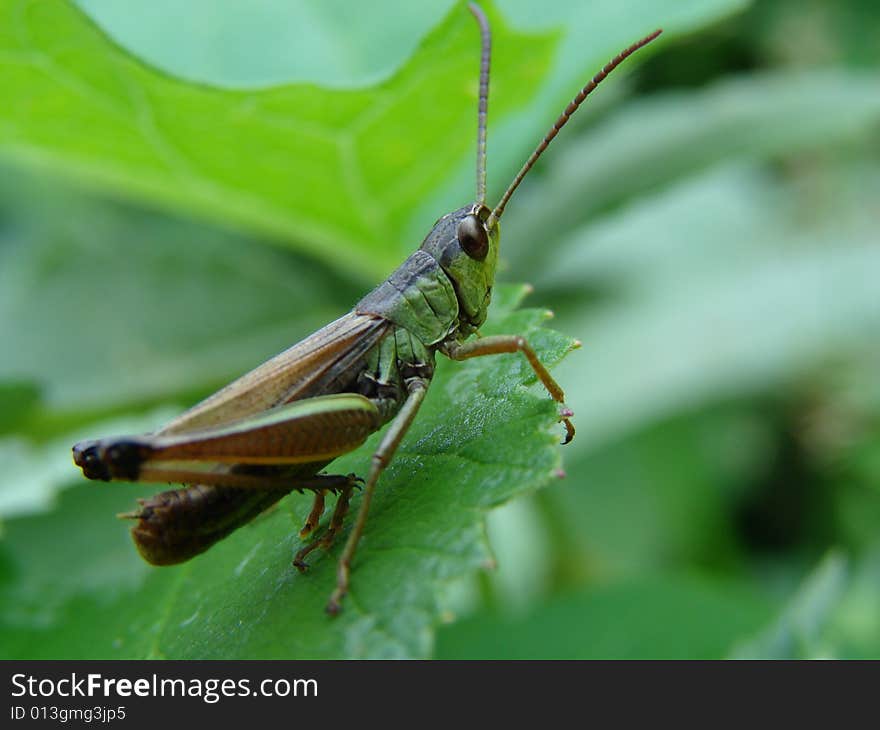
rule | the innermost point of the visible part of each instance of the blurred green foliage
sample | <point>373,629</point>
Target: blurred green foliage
<point>707,226</point>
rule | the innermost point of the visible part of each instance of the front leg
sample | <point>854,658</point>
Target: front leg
<point>416,389</point>
<point>500,344</point>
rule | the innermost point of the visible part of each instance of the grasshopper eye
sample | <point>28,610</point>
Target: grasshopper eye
<point>473,238</point>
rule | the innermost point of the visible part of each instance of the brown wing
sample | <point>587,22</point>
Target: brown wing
<point>288,376</point>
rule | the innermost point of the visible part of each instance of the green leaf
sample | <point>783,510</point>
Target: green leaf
<point>350,176</point>
<point>480,439</point>
<point>336,172</point>
<point>668,617</point>
<point>260,43</point>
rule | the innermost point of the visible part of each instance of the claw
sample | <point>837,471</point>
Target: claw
<point>333,607</point>
<point>300,565</point>
<point>564,414</point>
<point>569,431</point>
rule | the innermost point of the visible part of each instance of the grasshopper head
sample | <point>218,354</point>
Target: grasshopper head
<point>467,250</point>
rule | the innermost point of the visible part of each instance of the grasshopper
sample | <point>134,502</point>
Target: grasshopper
<point>276,428</point>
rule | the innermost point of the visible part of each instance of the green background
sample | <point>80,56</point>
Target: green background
<point>187,189</point>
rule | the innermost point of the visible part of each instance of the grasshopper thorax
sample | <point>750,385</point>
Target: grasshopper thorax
<point>467,251</point>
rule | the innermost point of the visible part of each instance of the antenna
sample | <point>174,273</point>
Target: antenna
<point>563,118</point>
<point>485,55</point>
